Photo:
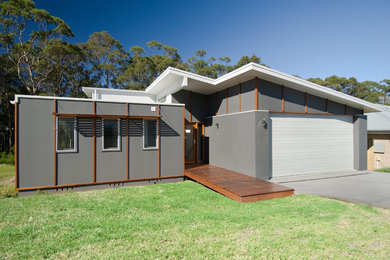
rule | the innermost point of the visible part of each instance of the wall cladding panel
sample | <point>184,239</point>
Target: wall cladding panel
<point>233,99</point>
<point>74,107</point>
<point>143,110</point>
<point>335,108</point>
<point>248,95</point>
<point>294,100</point>
<point>315,104</point>
<point>106,108</point>
<point>270,96</point>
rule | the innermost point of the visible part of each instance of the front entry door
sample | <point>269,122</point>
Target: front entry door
<point>191,142</point>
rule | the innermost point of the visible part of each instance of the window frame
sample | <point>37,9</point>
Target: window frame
<point>143,135</point>
<point>118,148</point>
<point>75,137</point>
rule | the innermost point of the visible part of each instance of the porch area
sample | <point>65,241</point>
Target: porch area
<point>234,185</point>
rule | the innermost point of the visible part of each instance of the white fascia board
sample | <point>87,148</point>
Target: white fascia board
<point>17,97</point>
<point>180,83</point>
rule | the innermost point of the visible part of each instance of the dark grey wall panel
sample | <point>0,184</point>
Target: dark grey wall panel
<point>110,165</point>
<point>143,163</point>
<point>270,96</point>
<point>233,99</point>
<point>315,104</point>
<point>171,141</point>
<point>74,107</point>
<point>183,97</point>
<point>212,104</point>
<point>143,110</point>
<point>221,102</point>
<point>335,108</point>
<point>294,100</point>
<point>248,95</point>
<point>36,142</point>
<point>199,107</point>
<point>354,111</point>
<point>77,167</point>
<point>105,108</point>
<point>360,142</point>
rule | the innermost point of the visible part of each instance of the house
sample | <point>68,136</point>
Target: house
<point>254,120</point>
<point>378,130</point>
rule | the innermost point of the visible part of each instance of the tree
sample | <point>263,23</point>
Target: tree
<point>27,52</point>
<point>106,56</point>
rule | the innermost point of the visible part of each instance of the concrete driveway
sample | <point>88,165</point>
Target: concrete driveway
<point>364,187</point>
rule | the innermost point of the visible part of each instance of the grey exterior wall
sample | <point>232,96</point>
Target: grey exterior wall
<point>239,142</point>
<point>36,144</point>
<point>248,96</point>
<point>196,104</point>
<point>316,104</point>
<point>233,99</point>
<point>294,100</point>
<point>360,142</point>
<point>270,95</point>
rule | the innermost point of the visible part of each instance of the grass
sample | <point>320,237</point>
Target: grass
<point>383,170</point>
<point>187,220</point>
<point>7,181</point>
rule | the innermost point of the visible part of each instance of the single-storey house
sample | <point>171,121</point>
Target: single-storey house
<point>378,130</point>
<point>254,120</point>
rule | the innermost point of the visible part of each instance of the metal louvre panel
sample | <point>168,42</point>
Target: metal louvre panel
<point>303,144</point>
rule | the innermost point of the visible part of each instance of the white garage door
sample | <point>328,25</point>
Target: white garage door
<point>303,144</point>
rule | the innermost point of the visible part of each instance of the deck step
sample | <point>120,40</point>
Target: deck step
<point>235,185</point>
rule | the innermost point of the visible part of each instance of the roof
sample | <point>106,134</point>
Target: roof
<point>379,122</point>
<point>173,80</point>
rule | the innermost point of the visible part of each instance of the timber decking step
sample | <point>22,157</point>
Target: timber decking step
<point>235,185</point>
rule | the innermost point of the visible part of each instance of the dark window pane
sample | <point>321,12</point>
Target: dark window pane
<point>65,134</point>
<point>150,133</point>
<point>110,134</point>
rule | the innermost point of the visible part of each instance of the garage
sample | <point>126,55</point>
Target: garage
<point>304,144</point>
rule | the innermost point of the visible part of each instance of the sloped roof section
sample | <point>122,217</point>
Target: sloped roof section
<point>173,80</point>
<point>379,122</point>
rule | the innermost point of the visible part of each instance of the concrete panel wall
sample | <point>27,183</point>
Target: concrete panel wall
<point>360,142</point>
<point>294,100</point>
<point>171,141</point>
<point>36,142</point>
<point>240,142</point>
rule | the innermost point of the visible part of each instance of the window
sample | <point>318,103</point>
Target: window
<point>150,134</point>
<point>111,136</point>
<point>66,137</point>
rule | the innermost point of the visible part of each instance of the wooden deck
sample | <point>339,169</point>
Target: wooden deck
<point>235,185</point>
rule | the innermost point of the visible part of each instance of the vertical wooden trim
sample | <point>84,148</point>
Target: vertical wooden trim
<point>345,109</point>
<point>127,141</point>
<point>282,98</point>
<point>326,106</point>
<point>216,103</point>
<point>256,94</point>
<point>239,97</point>
<point>16,136</point>
<point>94,142</point>
<point>196,142</point>
<point>159,142</point>
<point>227,100</point>
<point>184,141</point>
<point>203,142</point>
<point>55,141</point>
<point>190,106</point>
<point>306,102</point>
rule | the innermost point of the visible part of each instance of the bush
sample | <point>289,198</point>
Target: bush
<point>8,158</point>
<point>7,191</point>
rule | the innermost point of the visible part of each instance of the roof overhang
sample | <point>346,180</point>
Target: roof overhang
<point>173,80</point>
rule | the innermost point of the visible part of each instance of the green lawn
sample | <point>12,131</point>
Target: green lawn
<point>7,181</point>
<point>187,220</point>
<point>383,170</point>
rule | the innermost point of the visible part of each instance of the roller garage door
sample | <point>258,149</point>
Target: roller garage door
<point>302,144</point>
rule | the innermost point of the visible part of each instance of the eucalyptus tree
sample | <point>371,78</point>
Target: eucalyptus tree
<point>25,34</point>
<point>106,56</point>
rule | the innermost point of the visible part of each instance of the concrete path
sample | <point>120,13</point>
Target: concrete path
<point>364,187</point>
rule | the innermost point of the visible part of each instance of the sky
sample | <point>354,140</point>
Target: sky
<point>306,38</point>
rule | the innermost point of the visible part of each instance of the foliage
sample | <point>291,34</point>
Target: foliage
<point>7,183</point>
<point>7,158</point>
<point>383,170</point>
<point>185,220</point>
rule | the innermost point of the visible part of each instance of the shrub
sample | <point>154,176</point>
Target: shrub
<point>8,158</point>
